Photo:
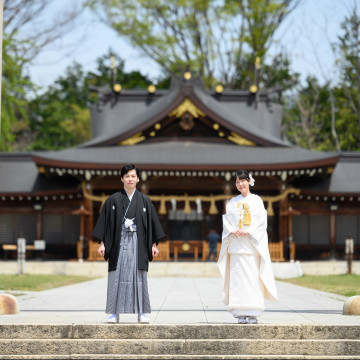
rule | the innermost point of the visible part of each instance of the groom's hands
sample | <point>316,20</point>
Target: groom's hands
<point>155,250</point>
<point>101,249</point>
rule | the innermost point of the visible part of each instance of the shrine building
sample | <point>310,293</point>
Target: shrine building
<point>188,143</point>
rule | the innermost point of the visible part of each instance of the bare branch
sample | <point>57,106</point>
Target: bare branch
<point>24,19</point>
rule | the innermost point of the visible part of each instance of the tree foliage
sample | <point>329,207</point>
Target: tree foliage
<point>111,69</point>
<point>15,87</point>
<point>60,117</point>
<point>18,52</point>
<point>327,117</point>
<point>218,40</point>
<point>38,30</point>
<point>306,117</point>
<point>348,89</point>
<point>224,41</point>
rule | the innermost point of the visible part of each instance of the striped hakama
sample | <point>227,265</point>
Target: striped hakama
<point>127,291</point>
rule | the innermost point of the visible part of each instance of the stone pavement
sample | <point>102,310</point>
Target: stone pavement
<point>177,300</point>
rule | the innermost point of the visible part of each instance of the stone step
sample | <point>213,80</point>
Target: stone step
<point>334,347</point>
<point>176,357</point>
<point>182,331</point>
<point>198,341</point>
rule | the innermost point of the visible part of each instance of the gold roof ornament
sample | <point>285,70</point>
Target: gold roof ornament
<point>117,88</point>
<point>219,88</point>
<point>133,139</point>
<point>253,89</point>
<point>237,139</point>
<point>151,89</point>
<point>187,106</point>
<point>187,75</point>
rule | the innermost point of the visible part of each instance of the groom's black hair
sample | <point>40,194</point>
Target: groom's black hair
<point>129,167</point>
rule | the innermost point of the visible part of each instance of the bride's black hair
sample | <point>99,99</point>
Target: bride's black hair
<point>243,174</point>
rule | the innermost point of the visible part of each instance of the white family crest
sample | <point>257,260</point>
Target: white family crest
<point>129,223</point>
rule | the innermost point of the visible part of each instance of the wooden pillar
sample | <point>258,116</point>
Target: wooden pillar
<point>39,225</point>
<point>332,235</point>
<point>88,220</point>
<point>283,220</point>
<point>176,253</point>
<point>82,237</point>
<point>290,238</point>
<point>284,226</point>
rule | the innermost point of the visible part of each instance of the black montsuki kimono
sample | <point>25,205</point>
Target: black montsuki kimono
<point>109,225</point>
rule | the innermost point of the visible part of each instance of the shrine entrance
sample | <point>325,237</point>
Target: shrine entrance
<point>185,237</point>
<point>187,219</point>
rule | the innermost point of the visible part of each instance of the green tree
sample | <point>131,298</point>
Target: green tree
<point>306,121</point>
<point>217,40</point>
<point>15,88</point>
<point>23,40</point>
<point>327,117</point>
<point>60,117</point>
<point>29,21</point>
<point>110,70</point>
<point>278,76</point>
<point>347,93</point>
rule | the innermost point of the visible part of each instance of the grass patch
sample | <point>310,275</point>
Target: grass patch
<point>34,282</point>
<point>346,285</point>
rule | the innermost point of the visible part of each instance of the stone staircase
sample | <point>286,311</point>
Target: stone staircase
<point>202,341</point>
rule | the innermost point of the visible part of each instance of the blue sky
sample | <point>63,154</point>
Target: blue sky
<point>305,35</point>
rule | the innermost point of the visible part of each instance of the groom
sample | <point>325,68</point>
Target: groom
<point>129,231</point>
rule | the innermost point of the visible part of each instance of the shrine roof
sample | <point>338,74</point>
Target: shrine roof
<point>186,155</point>
<point>344,179</point>
<point>19,175</point>
<point>118,117</point>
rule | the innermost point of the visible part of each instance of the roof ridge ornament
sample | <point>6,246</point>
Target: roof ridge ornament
<point>133,139</point>
<point>187,106</point>
<point>237,139</point>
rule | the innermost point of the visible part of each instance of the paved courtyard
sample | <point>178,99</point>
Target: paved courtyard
<point>177,300</point>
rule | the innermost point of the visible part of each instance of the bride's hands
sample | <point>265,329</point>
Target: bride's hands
<point>240,233</point>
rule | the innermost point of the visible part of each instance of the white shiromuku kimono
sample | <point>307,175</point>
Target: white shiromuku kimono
<point>244,262</point>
